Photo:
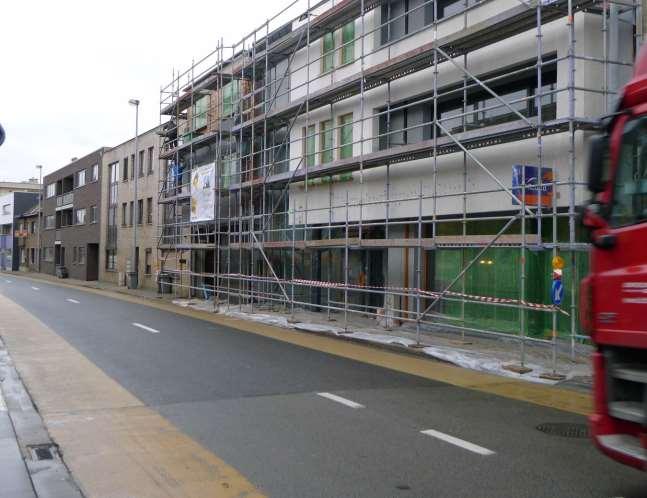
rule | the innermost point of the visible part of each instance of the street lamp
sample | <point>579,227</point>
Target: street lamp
<point>133,277</point>
<point>39,167</point>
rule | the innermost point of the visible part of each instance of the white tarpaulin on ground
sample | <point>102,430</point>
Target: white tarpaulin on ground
<point>203,196</point>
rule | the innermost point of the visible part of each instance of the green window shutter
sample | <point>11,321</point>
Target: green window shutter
<point>346,136</point>
<point>310,149</point>
<point>348,43</point>
<point>328,52</point>
<point>325,141</point>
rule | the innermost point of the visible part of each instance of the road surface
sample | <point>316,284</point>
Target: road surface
<point>301,423</point>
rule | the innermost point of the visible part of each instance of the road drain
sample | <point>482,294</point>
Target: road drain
<point>43,452</point>
<point>580,431</point>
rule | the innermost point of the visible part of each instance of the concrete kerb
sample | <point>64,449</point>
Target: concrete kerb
<point>44,463</point>
<point>392,356</point>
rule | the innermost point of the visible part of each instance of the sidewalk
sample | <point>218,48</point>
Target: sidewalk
<point>30,464</point>
<point>476,352</point>
<point>14,478</point>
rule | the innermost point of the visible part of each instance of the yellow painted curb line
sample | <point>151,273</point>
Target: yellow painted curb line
<point>520,390</point>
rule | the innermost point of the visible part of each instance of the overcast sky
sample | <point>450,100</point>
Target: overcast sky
<point>68,68</point>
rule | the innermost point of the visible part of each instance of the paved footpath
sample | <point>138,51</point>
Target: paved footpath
<point>145,399</point>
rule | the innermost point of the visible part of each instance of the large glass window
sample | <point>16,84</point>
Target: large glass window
<point>309,148</point>
<point>348,43</point>
<point>79,216</point>
<point>325,141</point>
<point>80,178</point>
<point>200,108</point>
<point>230,97</point>
<point>346,136</point>
<point>328,52</point>
<point>51,190</point>
<point>50,221</point>
<point>630,189</point>
<point>95,172</point>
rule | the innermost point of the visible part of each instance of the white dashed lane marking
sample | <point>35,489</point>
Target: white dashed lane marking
<point>339,399</point>
<point>72,301</point>
<point>144,327</point>
<point>466,445</point>
<point>35,288</point>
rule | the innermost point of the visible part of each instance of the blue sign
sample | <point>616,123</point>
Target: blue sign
<point>557,292</point>
<point>534,194</point>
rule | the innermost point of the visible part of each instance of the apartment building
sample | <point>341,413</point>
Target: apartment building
<point>71,218</point>
<point>27,233</point>
<point>12,208</point>
<point>415,160</point>
<point>123,214</point>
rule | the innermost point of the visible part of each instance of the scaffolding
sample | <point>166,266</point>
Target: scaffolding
<point>363,155</point>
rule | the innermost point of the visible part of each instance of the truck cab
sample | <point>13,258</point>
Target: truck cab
<point>613,297</point>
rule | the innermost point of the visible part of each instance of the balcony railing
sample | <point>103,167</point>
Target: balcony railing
<point>65,199</point>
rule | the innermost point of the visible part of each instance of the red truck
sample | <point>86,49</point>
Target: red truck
<point>613,297</point>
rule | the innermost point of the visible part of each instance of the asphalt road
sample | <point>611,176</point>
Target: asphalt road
<point>300,423</point>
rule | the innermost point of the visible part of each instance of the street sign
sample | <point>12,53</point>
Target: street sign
<point>557,292</point>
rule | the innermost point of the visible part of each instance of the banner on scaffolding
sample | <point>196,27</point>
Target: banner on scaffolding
<point>203,196</point>
<point>536,192</point>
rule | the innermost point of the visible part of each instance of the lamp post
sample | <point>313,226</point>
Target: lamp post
<point>133,278</point>
<point>39,167</point>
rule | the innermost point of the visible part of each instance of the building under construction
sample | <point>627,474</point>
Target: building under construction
<point>415,161</point>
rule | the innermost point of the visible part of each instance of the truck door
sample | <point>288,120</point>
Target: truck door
<point>621,280</point>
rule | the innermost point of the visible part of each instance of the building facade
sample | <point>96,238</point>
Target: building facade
<point>27,232</point>
<point>122,213</point>
<point>71,218</point>
<point>12,207</point>
<point>417,160</point>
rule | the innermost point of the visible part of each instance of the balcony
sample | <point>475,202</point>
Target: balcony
<point>64,201</point>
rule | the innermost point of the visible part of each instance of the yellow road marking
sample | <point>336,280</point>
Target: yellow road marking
<point>114,445</point>
<point>544,395</point>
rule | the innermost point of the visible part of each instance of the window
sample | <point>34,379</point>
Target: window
<point>131,218</point>
<point>328,52</point>
<point>50,221</point>
<point>150,160</point>
<point>79,216</point>
<point>346,136</point>
<point>148,256</point>
<point>309,149</point>
<point>140,211</point>
<point>348,43</point>
<point>141,163</point>
<point>51,190</point>
<point>132,166</point>
<point>48,254</point>
<point>403,17</point>
<point>80,178</point>
<point>125,170</point>
<point>230,97</point>
<point>32,227</point>
<point>199,112</point>
<point>124,213</point>
<point>81,256</point>
<point>111,259</point>
<point>95,172</point>
<point>325,141</point>
<point>149,210</point>
<point>32,256</point>
<point>113,174</point>
<point>93,214</point>
<point>629,206</point>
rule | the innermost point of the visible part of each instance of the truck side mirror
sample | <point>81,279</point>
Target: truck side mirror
<point>598,160</point>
